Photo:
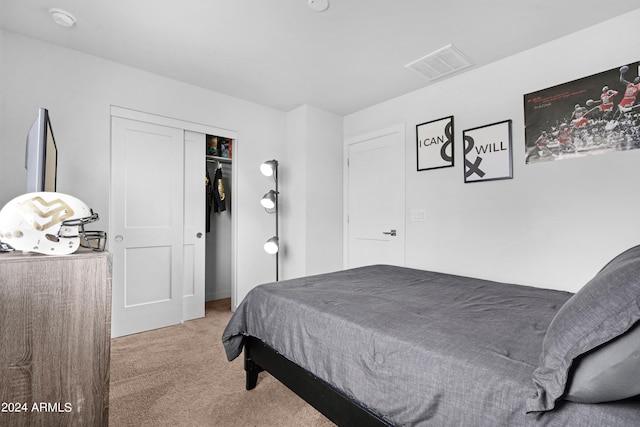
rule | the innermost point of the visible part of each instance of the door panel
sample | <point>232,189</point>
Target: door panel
<point>375,206</point>
<point>194,225</point>
<point>148,273</point>
<point>146,238</point>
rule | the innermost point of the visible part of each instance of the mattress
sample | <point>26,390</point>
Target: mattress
<point>418,347</point>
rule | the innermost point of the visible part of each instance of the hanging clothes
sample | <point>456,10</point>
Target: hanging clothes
<point>219,203</point>
<point>209,192</point>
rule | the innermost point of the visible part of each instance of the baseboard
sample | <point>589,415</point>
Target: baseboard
<point>217,295</point>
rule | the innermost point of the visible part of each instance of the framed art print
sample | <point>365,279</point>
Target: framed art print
<point>434,143</point>
<point>596,114</point>
<point>487,152</point>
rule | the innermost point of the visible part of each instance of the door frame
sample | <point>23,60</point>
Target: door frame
<point>127,113</point>
<point>400,129</point>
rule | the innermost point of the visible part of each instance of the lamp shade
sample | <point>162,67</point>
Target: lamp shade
<point>268,167</point>
<point>269,200</point>
<point>272,245</point>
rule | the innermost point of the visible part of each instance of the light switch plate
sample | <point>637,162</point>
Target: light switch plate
<point>418,215</point>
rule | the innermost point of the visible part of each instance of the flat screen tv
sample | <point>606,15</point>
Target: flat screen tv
<point>41,159</point>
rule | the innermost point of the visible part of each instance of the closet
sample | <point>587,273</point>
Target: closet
<point>165,264</point>
<point>218,265</point>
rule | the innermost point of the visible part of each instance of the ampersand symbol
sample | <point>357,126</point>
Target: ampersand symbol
<point>471,168</point>
<point>447,144</point>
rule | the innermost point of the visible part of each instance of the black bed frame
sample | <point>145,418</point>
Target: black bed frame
<point>332,403</point>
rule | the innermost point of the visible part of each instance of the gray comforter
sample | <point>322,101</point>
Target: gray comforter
<point>418,347</point>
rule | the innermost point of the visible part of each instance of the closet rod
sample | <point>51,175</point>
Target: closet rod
<point>213,159</point>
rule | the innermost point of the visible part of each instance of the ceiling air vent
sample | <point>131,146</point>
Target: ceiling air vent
<point>440,63</point>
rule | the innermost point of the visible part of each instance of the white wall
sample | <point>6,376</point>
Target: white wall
<point>3,97</point>
<point>324,192</point>
<point>292,198</point>
<point>554,224</point>
<point>312,192</point>
<point>78,90</point>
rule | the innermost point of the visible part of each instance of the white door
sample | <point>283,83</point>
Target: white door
<point>194,225</point>
<point>375,199</point>
<point>147,214</point>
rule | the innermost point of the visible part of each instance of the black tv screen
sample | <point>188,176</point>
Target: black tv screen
<point>41,159</point>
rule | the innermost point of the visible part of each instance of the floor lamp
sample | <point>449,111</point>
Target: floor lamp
<point>270,203</point>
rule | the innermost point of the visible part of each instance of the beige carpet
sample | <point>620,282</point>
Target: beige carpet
<point>179,376</point>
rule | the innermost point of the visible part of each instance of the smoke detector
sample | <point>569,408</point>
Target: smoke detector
<point>62,17</point>
<point>319,5</point>
<point>440,63</point>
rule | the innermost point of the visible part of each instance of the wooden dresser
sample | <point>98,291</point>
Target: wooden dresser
<point>55,331</point>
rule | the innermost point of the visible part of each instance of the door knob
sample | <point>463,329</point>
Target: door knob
<point>119,238</point>
<point>199,235</point>
<point>390,233</point>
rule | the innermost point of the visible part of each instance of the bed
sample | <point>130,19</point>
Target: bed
<point>387,345</point>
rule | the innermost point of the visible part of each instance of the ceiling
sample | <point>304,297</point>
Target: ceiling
<point>282,54</point>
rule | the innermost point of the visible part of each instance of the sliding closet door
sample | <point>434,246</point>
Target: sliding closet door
<point>147,214</point>
<point>194,225</point>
